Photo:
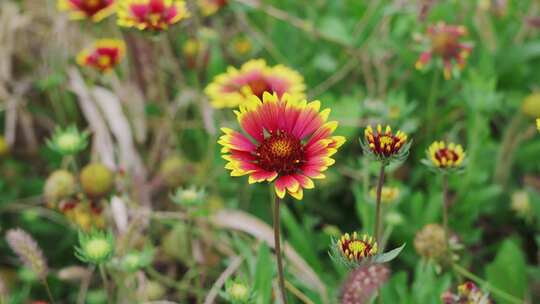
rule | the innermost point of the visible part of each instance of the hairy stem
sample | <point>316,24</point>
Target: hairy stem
<point>277,242</point>
<point>378,213</point>
<point>445,203</point>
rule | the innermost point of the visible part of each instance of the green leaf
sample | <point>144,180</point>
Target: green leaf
<point>508,271</point>
<point>263,275</point>
<point>388,256</point>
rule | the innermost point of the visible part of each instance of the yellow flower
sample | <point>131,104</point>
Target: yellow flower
<point>103,56</point>
<point>443,155</point>
<point>255,77</point>
<point>385,146</point>
<point>538,124</point>
<point>355,248</point>
<point>153,15</point>
<point>388,194</point>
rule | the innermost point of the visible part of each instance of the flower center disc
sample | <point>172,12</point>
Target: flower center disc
<point>259,86</point>
<point>281,152</point>
<point>444,155</point>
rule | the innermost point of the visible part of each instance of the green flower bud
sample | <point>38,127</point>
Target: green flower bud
<point>69,141</point>
<point>60,185</point>
<point>97,247</point>
<point>96,180</point>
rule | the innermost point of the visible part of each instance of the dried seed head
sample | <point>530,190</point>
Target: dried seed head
<point>28,251</point>
<point>363,282</point>
<point>430,242</point>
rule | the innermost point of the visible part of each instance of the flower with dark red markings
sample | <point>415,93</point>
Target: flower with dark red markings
<point>95,10</point>
<point>445,157</point>
<point>385,146</point>
<point>287,141</point>
<point>467,293</point>
<point>156,15</point>
<point>255,77</point>
<point>444,42</point>
<point>103,56</point>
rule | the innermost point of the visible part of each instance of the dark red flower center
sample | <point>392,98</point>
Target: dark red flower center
<point>91,7</point>
<point>281,152</point>
<point>385,144</point>
<point>446,44</point>
<point>259,86</point>
<point>447,155</point>
<point>359,249</point>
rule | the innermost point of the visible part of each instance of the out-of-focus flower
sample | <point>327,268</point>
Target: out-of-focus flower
<point>4,148</point>
<point>363,282</point>
<point>521,204</point>
<point>95,10</point>
<point>538,124</point>
<point>156,15</point>
<point>467,293</point>
<point>287,140</point>
<point>188,197</point>
<point>192,49</point>
<point>355,248</point>
<point>241,46</point>
<point>430,242</point>
<point>497,7</point>
<point>96,180</point>
<point>393,218</point>
<point>28,251</point>
<point>388,194</point>
<point>445,156</point>
<point>103,56</point>
<point>137,260</point>
<point>69,141</point>
<point>237,292</point>
<point>210,7</point>
<point>531,105</point>
<point>96,247</point>
<point>235,87</point>
<point>174,170</point>
<point>84,214</point>
<point>385,146</point>
<point>59,185</point>
<point>444,40</point>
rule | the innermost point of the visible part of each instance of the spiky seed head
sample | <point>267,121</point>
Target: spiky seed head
<point>28,251</point>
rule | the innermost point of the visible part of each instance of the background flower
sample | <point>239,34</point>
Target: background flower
<point>103,56</point>
<point>95,10</point>
<point>153,15</point>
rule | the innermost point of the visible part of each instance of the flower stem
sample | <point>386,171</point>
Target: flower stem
<point>105,282</point>
<point>49,294</point>
<point>378,213</point>
<point>277,242</point>
<point>502,294</point>
<point>445,203</point>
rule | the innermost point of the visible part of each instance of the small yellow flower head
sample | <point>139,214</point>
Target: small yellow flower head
<point>238,292</point>
<point>210,7</point>
<point>355,248</point>
<point>430,242</point>
<point>388,194</point>
<point>531,105</point>
<point>385,146</point>
<point>242,46</point>
<point>69,141</point>
<point>97,247</point>
<point>95,10</point>
<point>538,124</point>
<point>445,156</point>
<point>155,15</point>
<point>188,197</point>
<point>59,185</point>
<point>96,180</point>
<point>521,203</point>
<point>103,56</point>
<point>4,148</point>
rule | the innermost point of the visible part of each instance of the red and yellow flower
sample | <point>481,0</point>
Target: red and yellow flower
<point>355,248</point>
<point>286,140</point>
<point>445,42</point>
<point>235,87</point>
<point>446,156</point>
<point>104,55</point>
<point>210,7</point>
<point>385,146</point>
<point>95,10</point>
<point>153,15</point>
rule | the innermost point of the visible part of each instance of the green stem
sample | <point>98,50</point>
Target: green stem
<point>445,203</point>
<point>49,294</point>
<point>105,281</point>
<point>378,213</point>
<point>494,290</point>
<point>277,242</point>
